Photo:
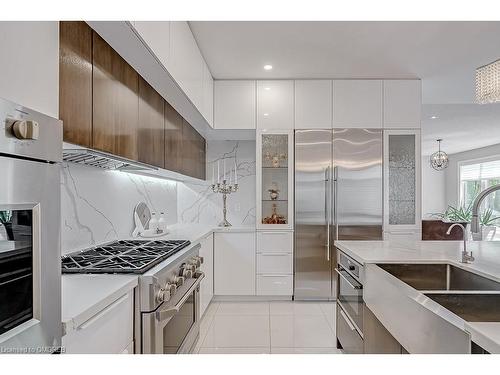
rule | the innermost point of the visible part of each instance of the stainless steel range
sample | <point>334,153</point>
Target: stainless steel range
<point>167,312</point>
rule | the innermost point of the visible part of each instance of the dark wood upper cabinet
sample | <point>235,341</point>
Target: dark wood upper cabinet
<point>106,105</point>
<point>115,102</point>
<point>173,139</point>
<point>151,129</point>
<point>75,82</point>
<point>193,152</point>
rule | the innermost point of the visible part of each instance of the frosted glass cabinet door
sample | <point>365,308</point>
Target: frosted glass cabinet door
<point>402,179</point>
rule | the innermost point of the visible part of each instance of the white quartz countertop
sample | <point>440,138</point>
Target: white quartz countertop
<point>83,296</point>
<point>487,263</point>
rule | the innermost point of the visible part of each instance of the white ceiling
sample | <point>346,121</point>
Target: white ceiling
<point>443,54</point>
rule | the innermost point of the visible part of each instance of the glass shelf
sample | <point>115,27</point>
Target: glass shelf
<point>275,160</point>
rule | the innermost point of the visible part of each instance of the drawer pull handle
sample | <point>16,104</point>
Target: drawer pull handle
<point>347,320</point>
<point>103,312</point>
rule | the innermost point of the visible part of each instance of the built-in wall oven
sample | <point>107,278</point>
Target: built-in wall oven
<point>30,273</point>
<point>349,304</point>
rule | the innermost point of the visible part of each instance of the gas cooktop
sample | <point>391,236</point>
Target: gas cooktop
<point>127,256</point>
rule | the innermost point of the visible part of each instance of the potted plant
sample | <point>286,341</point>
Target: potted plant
<point>5,221</point>
<point>463,215</point>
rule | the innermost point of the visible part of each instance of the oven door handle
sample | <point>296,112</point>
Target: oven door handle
<point>347,280</point>
<point>170,312</point>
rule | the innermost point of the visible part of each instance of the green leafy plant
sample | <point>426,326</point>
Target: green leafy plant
<point>5,217</point>
<point>463,214</point>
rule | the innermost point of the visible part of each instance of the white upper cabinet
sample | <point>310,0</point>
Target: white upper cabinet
<point>313,104</point>
<point>402,103</point>
<point>187,62</point>
<point>357,103</point>
<point>156,34</point>
<point>234,103</point>
<point>275,102</point>
<point>208,96</point>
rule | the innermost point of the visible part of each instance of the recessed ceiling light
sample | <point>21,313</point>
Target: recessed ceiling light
<point>268,67</point>
<point>267,88</point>
<point>266,114</point>
<point>433,117</point>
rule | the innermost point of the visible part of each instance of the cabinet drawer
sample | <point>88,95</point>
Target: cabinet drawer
<point>274,242</point>
<point>274,285</point>
<point>274,263</point>
<point>107,332</point>
<point>349,338</point>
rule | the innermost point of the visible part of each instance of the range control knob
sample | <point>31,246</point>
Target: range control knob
<point>195,262</point>
<point>25,129</point>
<point>163,295</point>
<point>178,280</point>
<point>186,272</point>
<point>171,288</point>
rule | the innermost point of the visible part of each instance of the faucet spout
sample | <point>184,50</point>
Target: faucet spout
<point>466,257</point>
<point>474,225</point>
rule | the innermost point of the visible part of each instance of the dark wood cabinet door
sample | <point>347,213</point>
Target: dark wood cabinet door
<point>115,102</point>
<point>201,165</point>
<point>189,150</point>
<point>75,82</point>
<point>173,139</point>
<point>193,152</point>
<point>151,129</point>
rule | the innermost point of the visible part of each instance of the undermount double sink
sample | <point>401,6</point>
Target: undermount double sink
<point>472,297</point>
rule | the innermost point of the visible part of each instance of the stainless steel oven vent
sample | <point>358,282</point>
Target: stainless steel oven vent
<point>103,160</point>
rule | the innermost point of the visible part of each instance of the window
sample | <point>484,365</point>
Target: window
<point>473,179</point>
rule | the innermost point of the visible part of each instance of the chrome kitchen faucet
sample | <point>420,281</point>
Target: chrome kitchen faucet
<point>466,257</point>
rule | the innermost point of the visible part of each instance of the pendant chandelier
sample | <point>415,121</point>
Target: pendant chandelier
<point>488,83</point>
<point>439,159</point>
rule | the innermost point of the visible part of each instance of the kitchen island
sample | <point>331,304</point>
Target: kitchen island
<point>412,314</point>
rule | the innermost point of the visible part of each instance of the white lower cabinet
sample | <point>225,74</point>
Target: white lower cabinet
<point>110,331</point>
<point>274,285</point>
<point>274,275</point>
<point>234,264</point>
<point>207,285</point>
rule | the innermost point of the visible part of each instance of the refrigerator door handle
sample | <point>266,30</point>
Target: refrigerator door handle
<point>335,198</point>
<point>327,211</point>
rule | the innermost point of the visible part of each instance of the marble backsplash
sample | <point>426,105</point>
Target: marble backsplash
<point>97,205</point>
<point>197,203</point>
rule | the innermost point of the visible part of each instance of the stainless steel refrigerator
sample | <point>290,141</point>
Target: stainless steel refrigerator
<point>338,196</point>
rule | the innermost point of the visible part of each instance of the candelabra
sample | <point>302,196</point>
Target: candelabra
<point>224,188</point>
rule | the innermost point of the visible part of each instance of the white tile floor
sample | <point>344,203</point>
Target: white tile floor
<point>268,327</point>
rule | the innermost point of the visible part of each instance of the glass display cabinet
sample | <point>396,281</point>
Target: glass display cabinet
<point>275,180</point>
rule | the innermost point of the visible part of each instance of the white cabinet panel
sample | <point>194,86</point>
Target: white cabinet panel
<point>234,103</point>
<point>357,103</point>
<point>274,285</point>
<point>234,268</point>
<point>187,62</point>
<point>107,332</point>
<point>156,34</point>
<point>208,96</point>
<point>207,284</point>
<point>274,263</point>
<point>402,103</point>
<point>313,104</point>
<point>274,242</point>
<point>275,103</point>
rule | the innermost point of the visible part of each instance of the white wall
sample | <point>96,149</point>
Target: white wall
<point>29,66</point>
<point>433,189</point>
<point>452,170</point>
